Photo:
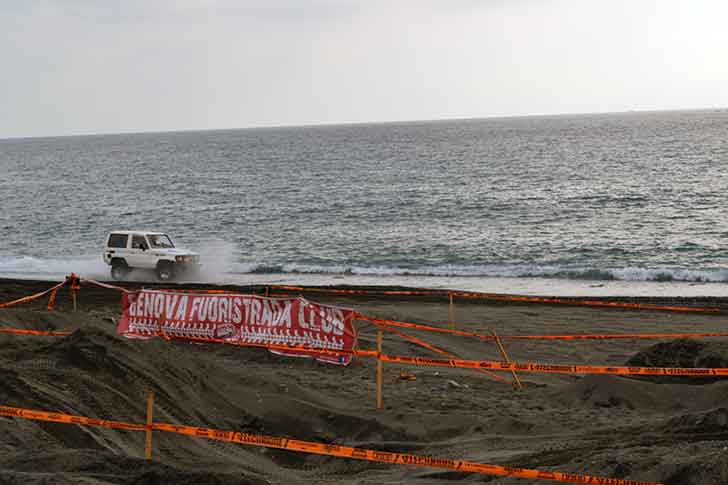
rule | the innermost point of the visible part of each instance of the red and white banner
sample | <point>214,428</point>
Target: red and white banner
<point>240,319</point>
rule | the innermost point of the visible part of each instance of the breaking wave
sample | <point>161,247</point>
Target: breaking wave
<point>711,275</point>
<point>30,267</point>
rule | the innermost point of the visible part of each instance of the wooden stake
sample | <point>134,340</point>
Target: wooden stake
<point>379,371</point>
<point>516,381</point>
<point>451,311</point>
<point>150,420</point>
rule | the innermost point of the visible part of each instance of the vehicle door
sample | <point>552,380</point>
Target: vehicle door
<point>116,247</point>
<point>140,254</point>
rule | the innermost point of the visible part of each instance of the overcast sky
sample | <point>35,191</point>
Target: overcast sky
<point>99,66</point>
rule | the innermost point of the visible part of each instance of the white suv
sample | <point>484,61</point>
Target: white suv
<point>127,250</point>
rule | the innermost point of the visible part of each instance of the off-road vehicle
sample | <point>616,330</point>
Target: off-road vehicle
<point>128,250</point>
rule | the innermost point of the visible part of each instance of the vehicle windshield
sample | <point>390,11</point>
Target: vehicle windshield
<point>160,241</point>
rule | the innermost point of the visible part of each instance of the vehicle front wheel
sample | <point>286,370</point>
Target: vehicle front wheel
<point>119,270</point>
<point>165,271</point>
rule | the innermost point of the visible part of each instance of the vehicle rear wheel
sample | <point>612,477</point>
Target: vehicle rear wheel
<point>165,271</point>
<point>119,270</point>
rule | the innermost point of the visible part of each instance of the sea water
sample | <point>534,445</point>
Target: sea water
<point>629,203</point>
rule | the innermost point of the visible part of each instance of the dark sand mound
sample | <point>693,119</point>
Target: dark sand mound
<point>693,465</point>
<point>683,353</point>
<point>713,422</point>
<point>99,468</point>
<point>98,358</point>
<point>93,372</point>
<point>607,391</point>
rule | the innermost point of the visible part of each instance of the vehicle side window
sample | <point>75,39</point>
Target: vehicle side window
<point>118,240</point>
<point>138,242</point>
<point>160,241</point>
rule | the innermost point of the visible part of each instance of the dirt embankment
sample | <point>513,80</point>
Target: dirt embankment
<point>671,431</point>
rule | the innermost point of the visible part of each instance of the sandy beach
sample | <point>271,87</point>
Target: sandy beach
<point>672,432</point>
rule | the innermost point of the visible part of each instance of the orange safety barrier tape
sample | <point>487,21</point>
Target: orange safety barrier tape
<point>52,300</point>
<point>429,328</point>
<point>30,298</point>
<point>416,326</point>
<point>388,457</point>
<point>459,294</point>
<point>437,350</point>
<point>614,336</point>
<point>66,418</point>
<point>162,334</point>
<point>599,303</point>
<point>557,368</point>
<point>322,448</point>
<point>501,297</point>
<point>23,331</point>
<point>338,291</point>
<point>492,365</point>
<point>479,364</point>
<point>211,292</point>
<point>105,285</point>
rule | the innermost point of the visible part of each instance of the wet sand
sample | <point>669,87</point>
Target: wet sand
<point>671,432</point>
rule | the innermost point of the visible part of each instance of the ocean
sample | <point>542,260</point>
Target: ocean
<point>628,203</point>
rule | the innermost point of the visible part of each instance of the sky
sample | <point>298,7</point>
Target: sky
<point>98,66</point>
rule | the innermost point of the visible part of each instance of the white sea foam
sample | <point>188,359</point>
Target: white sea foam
<point>29,266</point>
<point>218,258</point>
<point>499,271</point>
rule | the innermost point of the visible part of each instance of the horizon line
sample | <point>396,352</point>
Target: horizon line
<point>361,123</point>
